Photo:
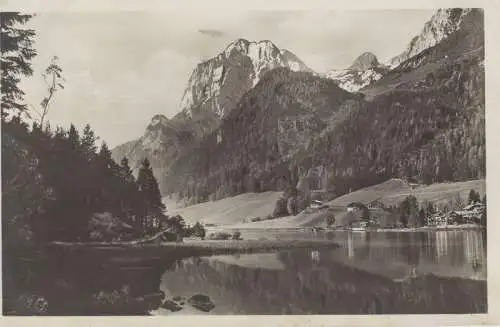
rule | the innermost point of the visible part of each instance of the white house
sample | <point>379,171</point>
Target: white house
<point>219,136</point>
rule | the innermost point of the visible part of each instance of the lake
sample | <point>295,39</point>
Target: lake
<point>371,272</point>
<point>367,273</point>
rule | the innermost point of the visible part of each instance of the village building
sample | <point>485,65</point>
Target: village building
<point>316,204</point>
<point>355,207</point>
<point>375,204</point>
<point>413,185</point>
<point>438,219</point>
<point>360,216</point>
<point>470,214</point>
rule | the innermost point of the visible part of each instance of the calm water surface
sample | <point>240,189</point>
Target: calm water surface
<point>372,272</point>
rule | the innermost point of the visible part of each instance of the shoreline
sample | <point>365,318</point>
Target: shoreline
<point>418,229</point>
<point>384,230</point>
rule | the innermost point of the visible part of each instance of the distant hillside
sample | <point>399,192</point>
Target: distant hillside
<point>229,210</point>
<point>391,192</point>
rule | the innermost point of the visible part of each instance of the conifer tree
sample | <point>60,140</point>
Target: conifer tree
<point>409,213</point>
<point>107,172</point>
<point>149,191</point>
<point>421,217</point>
<point>73,138</point>
<point>16,55</point>
<point>105,159</point>
<point>89,171</point>
<point>126,171</point>
<point>474,197</point>
<point>88,145</point>
<point>483,218</point>
<point>129,192</point>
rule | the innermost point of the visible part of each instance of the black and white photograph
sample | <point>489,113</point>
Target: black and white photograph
<point>251,162</point>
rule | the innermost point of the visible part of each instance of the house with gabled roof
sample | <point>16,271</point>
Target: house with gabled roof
<point>375,204</point>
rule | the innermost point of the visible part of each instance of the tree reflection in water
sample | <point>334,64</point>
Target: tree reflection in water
<point>311,282</point>
<point>351,279</point>
<point>348,280</point>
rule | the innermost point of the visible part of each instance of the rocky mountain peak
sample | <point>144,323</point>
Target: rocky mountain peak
<point>158,120</point>
<point>253,49</point>
<point>442,24</point>
<point>217,83</point>
<point>365,61</point>
<point>365,70</point>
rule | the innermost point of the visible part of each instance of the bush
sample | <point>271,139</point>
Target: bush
<point>280,209</point>
<point>219,236</point>
<point>330,220</point>
<point>106,227</point>
<point>292,208</point>
<point>198,231</point>
<point>237,235</point>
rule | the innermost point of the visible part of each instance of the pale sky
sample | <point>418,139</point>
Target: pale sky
<point>122,68</point>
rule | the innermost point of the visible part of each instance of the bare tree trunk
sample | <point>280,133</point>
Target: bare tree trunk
<point>47,102</point>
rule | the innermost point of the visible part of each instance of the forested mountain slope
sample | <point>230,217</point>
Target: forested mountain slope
<point>253,149</point>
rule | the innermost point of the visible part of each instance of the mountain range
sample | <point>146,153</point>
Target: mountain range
<point>213,90</point>
<point>256,118</point>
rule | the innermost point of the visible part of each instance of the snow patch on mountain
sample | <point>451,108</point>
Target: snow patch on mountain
<point>352,80</point>
<point>365,70</point>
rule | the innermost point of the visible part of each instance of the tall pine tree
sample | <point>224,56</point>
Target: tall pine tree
<point>73,138</point>
<point>129,193</point>
<point>89,173</point>
<point>126,171</point>
<point>107,180</point>
<point>153,207</point>
<point>88,145</point>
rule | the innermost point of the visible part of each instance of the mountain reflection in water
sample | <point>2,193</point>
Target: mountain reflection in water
<point>372,272</point>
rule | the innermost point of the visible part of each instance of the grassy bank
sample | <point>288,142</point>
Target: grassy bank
<point>234,211</point>
<point>393,191</point>
<point>230,210</point>
<point>190,248</point>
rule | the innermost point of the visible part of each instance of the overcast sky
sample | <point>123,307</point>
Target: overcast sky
<point>122,68</point>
